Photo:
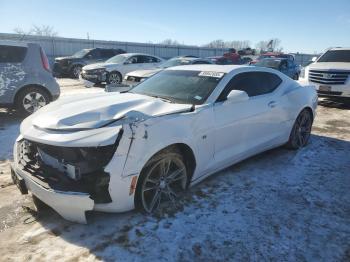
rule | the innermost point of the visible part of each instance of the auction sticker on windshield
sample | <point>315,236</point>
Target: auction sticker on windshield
<point>211,74</point>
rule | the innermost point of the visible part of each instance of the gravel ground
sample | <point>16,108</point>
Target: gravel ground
<point>280,205</point>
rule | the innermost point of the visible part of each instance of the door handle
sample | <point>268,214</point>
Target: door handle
<point>272,104</point>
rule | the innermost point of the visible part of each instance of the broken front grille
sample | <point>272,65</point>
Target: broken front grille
<point>68,168</point>
<point>328,77</point>
<point>134,79</point>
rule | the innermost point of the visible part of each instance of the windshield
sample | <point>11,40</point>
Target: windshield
<point>81,53</point>
<point>180,86</point>
<point>336,56</point>
<point>269,63</point>
<point>118,59</point>
<point>175,62</point>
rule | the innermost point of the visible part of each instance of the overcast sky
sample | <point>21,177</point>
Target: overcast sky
<point>302,26</point>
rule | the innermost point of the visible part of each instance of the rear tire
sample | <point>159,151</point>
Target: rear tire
<point>301,130</point>
<point>30,99</point>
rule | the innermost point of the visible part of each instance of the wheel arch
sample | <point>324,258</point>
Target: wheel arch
<point>309,109</point>
<point>28,86</point>
<point>187,153</point>
<point>115,71</point>
<point>76,64</point>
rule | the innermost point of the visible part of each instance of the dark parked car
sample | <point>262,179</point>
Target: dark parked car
<point>222,60</point>
<point>26,81</point>
<point>285,65</point>
<point>72,65</point>
<point>272,55</point>
<point>246,51</point>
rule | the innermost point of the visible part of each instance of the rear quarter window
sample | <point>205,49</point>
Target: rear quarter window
<point>12,54</point>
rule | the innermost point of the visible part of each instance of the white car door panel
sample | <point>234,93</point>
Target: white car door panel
<point>241,128</point>
<point>248,127</point>
<point>204,130</point>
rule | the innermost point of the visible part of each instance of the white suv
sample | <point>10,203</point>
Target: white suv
<point>331,73</point>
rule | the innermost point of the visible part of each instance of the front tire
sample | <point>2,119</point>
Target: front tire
<point>161,181</point>
<point>75,71</point>
<point>296,77</point>
<point>114,78</point>
<point>301,130</point>
<point>30,99</point>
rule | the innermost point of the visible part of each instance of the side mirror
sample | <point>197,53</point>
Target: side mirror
<point>128,62</point>
<point>314,59</point>
<point>89,56</point>
<point>236,96</point>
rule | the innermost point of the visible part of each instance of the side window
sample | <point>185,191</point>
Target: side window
<point>154,59</point>
<point>107,53</point>
<point>290,63</point>
<point>134,59</point>
<point>283,65</point>
<point>12,54</point>
<point>149,59</point>
<point>254,83</point>
<point>94,54</point>
<point>118,52</point>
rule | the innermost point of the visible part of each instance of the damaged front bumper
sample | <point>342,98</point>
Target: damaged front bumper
<point>71,180</point>
<point>70,205</point>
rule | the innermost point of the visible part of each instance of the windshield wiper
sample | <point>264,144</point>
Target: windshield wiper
<point>160,97</point>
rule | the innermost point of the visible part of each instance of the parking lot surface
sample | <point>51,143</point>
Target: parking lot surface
<point>279,205</point>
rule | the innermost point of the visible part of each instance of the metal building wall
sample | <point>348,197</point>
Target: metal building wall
<point>59,46</point>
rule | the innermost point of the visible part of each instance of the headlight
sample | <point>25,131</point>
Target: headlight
<point>99,70</point>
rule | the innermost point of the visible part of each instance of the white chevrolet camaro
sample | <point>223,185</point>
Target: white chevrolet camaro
<point>113,152</point>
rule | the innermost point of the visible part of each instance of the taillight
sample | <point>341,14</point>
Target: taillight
<point>44,60</point>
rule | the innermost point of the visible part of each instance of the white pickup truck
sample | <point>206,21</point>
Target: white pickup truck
<point>330,73</point>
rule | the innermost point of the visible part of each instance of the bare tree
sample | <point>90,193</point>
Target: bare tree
<point>269,45</point>
<point>170,42</point>
<point>228,44</point>
<point>216,44</point>
<point>42,30</point>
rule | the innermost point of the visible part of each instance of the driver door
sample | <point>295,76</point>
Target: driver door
<point>132,64</point>
<point>94,56</point>
<point>244,128</point>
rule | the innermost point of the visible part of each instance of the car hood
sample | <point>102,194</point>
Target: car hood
<point>99,65</point>
<point>96,110</point>
<point>145,73</point>
<point>330,66</point>
<point>66,58</point>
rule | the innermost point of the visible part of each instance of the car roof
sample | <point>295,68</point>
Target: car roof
<point>132,54</point>
<point>208,67</point>
<point>340,48</point>
<point>105,48</point>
